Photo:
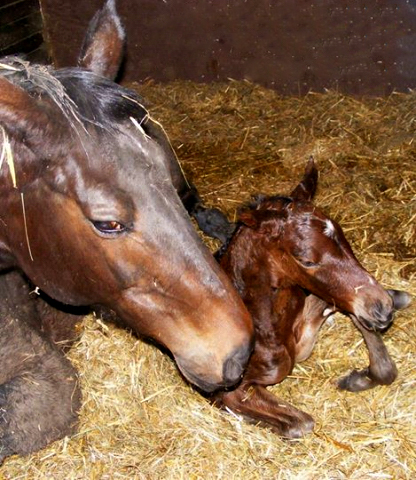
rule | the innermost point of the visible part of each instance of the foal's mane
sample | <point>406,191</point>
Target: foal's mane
<point>264,202</point>
<point>83,97</point>
<point>258,202</point>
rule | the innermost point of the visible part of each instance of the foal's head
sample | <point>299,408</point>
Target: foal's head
<point>305,247</point>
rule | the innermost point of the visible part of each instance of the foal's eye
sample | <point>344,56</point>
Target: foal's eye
<point>109,227</point>
<point>306,263</point>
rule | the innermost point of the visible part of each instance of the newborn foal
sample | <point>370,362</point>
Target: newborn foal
<point>294,268</point>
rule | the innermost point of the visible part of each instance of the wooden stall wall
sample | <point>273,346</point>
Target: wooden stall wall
<point>21,29</point>
<point>364,46</point>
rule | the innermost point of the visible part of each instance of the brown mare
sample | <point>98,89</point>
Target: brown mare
<point>294,268</point>
<point>91,215</point>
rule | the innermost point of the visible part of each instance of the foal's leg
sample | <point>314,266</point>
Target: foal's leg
<point>315,312</point>
<point>257,405</point>
<point>210,220</point>
<point>271,362</point>
<point>381,370</point>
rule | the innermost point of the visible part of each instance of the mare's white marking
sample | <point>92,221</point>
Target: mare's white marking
<point>329,229</point>
<point>371,281</point>
<point>358,288</point>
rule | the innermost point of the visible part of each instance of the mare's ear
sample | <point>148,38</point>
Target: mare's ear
<point>103,46</point>
<point>20,115</point>
<point>26,123</point>
<point>307,187</point>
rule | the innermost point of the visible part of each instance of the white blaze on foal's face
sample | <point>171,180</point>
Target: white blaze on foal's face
<point>329,229</point>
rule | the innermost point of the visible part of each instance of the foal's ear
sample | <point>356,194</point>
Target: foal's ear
<point>307,187</point>
<point>103,46</point>
<point>248,218</point>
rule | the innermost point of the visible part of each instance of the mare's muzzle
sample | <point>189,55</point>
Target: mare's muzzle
<point>232,370</point>
<point>235,364</point>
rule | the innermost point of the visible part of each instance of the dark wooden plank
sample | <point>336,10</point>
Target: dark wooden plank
<point>365,46</point>
<point>27,45</point>
<point>15,10</point>
<point>19,30</point>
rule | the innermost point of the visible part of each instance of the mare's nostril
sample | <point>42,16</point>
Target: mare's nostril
<point>235,364</point>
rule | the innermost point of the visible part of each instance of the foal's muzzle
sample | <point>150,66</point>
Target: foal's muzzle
<point>382,315</point>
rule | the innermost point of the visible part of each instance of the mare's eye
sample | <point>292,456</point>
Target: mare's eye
<point>109,227</point>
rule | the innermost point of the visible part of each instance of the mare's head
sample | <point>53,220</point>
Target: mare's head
<point>305,247</point>
<point>90,213</point>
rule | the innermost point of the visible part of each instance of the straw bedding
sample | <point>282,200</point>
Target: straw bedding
<point>140,420</point>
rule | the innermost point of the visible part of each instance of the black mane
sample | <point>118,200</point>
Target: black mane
<point>80,94</point>
<point>99,100</point>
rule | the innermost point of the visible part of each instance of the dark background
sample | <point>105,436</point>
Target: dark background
<point>21,28</point>
<point>355,46</point>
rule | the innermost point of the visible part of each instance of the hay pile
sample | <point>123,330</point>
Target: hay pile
<point>141,421</point>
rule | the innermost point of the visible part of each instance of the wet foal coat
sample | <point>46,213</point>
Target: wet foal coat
<point>294,268</point>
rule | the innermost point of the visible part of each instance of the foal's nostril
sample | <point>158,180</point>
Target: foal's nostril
<point>235,364</point>
<point>383,314</point>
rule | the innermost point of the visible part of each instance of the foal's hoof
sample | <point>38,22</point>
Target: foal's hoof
<point>299,429</point>
<point>293,424</point>
<point>356,381</point>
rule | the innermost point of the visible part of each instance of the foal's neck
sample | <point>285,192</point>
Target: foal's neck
<point>246,262</point>
<point>249,264</point>
<point>274,303</point>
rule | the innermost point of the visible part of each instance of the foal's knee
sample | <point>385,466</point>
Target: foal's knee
<point>386,374</point>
